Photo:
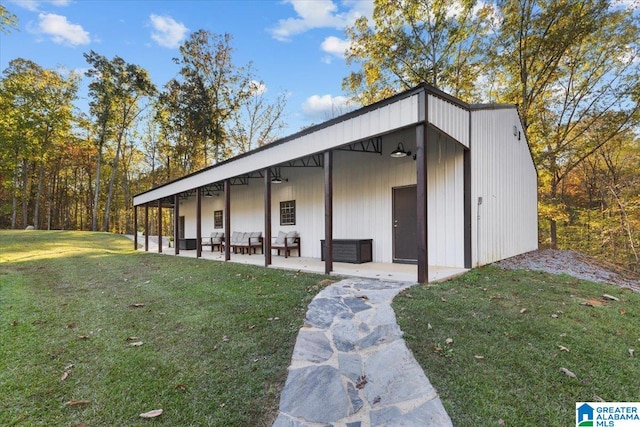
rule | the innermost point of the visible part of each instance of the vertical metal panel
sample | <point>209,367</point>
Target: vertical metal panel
<point>504,187</point>
<point>450,118</point>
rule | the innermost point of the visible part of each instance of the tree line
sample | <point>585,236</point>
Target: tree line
<point>572,67</point>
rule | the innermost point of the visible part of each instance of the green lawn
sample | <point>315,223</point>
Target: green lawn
<point>512,333</point>
<point>216,337</point>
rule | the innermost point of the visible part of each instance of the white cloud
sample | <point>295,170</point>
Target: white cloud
<point>325,107</point>
<point>34,5</point>
<point>168,33</point>
<point>335,46</point>
<point>258,88</point>
<point>61,30</point>
<point>320,14</point>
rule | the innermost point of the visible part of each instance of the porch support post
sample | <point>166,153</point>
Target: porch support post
<point>267,217</point>
<point>467,207</point>
<point>176,223</point>
<point>328,212</point>
<point>146,227</point>
<point>159,226</point>
<point>198,222</point>
<point>135,228</point>
<point>422,228</point>
<point>227,220</point>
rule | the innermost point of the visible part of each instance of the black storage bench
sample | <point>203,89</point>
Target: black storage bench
<point>354,251</point>
<point>187,244</point>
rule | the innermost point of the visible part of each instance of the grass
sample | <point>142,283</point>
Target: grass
<point>216,337</point>
<point>507,329</point>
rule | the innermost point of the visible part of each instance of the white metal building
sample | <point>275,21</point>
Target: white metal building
<point>460,190</point>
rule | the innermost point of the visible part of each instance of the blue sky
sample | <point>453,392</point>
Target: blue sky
<point>296,46</point>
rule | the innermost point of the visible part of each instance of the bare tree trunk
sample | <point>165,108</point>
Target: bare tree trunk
<point>94,219</point>
<point>36,209</point>
<point>25,193</point>
<point>112,181</point>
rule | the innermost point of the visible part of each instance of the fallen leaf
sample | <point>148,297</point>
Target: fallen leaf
<point>477,357</point>
<point>610,297</point>
<point>443,299</point>
<point>181,387</point>
<point>429,326</point>
<point>622,311</point>
<point>563,348</point>
<point>448,341</point>
<point>376,399</point>
<point>436,348</point>
<point>252,327</point>
<point>151,414</point>
<point>136,344</point>
<point>364,297</point>
<point>500,422</point>
<point>83,337</point>
<point>225,338</point>
<point>14,323</point>
<point>136,305</point>
<point>597,398</point>
<point>523,310</point>
<point>77,402</point>
<point>132,339</point>
<point>408,295</point>
<point>71,325</point>
<point>555,316</point>
<point>567,372</point>
<point>631,351</point>
<point>362,381</point>
<point>65,375</point>
<point>587,304</point>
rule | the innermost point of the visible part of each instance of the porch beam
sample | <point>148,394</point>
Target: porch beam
<point>159,226</point>
<point>176,222</point>
<point>146,227</point>
<point>227,220</point>
<point>135,228</point>
<point>422,217</point>
<point>466,161</point>
<point>267,217</point>
<point>198,223</point>
<point>328,212</point>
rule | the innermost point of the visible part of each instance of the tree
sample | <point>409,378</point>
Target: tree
<point>37,120</point>
<point>258,122</point>
<point>572,67</point>
<point>442,43</point>
<point>7,20</point>
<point>116,90</point>
<point>211,89</point>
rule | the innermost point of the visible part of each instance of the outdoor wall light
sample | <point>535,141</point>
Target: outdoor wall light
<point>400,152</point>
<point>278,180</point>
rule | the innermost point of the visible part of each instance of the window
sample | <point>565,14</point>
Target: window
<point>217,219</point>
<point>288,212</point>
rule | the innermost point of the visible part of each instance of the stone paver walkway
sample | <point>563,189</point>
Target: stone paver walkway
<point>351,367</point>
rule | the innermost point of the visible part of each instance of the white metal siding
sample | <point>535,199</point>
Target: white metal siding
<point>450,118</point>
<point>503,175</point>
<point>384,119</point>
<point>362,200</point>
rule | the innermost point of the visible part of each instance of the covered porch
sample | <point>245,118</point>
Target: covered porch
<point>372,270</point>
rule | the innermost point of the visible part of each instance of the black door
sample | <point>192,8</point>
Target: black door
<point>405,240</point>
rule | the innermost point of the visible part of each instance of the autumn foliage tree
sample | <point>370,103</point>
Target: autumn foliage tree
<point>571,66</point>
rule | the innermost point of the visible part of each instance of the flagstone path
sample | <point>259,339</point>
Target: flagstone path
<point>351,367</point>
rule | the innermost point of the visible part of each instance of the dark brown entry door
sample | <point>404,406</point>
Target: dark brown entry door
<point>405,240</point>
